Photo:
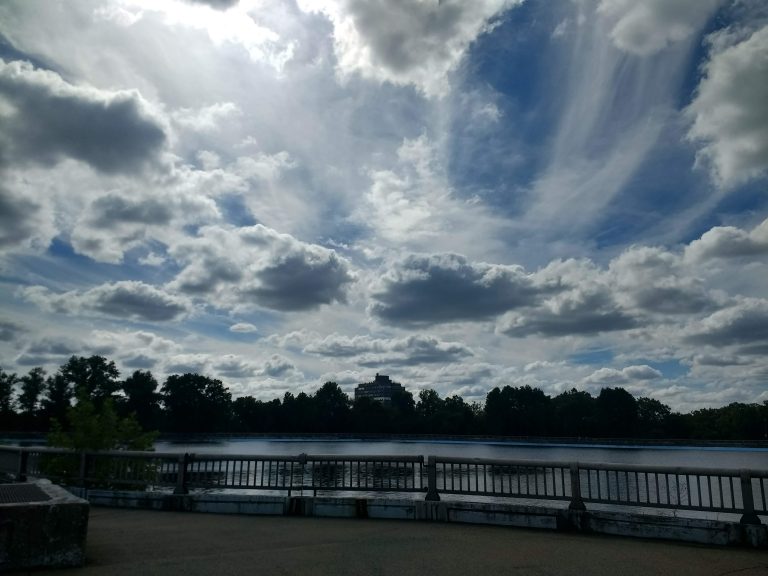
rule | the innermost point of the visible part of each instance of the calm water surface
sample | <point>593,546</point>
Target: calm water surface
<point>719,457</point>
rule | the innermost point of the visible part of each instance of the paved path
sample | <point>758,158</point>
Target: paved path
<point>144,543</point>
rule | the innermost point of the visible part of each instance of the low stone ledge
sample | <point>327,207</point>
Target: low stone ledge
<point>703,531</point>
<point>699,530</point>
<point>49,531</point>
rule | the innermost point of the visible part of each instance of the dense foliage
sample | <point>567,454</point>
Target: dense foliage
<point>87,398</point>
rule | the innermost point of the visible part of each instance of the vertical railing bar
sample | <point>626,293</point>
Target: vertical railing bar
<point>677,488</point>
<point>720,484</point>
<point>698,490</point>
<point>733,493</point>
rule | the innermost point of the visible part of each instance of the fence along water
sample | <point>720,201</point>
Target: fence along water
<point>743,492</point>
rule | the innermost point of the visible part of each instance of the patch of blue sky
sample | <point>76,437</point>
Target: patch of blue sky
<point>61,268</point>
<point>513,65</point>
<point>235,211</point>
<point>217,325</point>
<point>662,187</point>
<point>595,357</point>
<point>670,369</point>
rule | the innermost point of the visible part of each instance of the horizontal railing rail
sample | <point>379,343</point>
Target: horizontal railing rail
<point>711,490</point>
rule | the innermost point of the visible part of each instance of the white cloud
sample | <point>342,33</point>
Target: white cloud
<point>238,25</point>
<point>729,118</point>
<point>45,119</point>
<point>438,288</point>
<point>243,328</point>
<point>729,242</point>
<point>413,205</point>
<point>409,350</point>
<point>129,299</point>
<point>628,375</point>
<point>649,26</point>
<point>257,266</point>
<point>416,42</point>
<point>205,118</point>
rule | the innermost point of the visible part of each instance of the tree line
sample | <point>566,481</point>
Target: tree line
<point>85,389</point>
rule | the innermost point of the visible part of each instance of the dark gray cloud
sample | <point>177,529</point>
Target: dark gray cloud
<point>672,299</point>
<point>254,265</point>
<point>729,242</point>
<point>408,351</point>
<point>440,288</point>
<point>139,362</point>
<point>51,119</point>
<point>126,299</point>
<point>301,283</point>
<point>276,367</point>
<point>112,209</point>
<point>136,300</point>
<point>18,219</point>
<point>53,348</point>
<point>9,331</point>
<point>579,313</point>
<point>745,323</point>
<point>216,4</point>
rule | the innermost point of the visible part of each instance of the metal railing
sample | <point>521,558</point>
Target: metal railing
<point>712,490</point>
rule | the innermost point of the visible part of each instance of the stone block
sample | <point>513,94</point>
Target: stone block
<point>41,525</point>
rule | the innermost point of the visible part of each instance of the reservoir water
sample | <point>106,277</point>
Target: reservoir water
<point>713,457</point>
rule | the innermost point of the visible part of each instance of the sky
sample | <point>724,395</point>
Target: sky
<point>461,195</point>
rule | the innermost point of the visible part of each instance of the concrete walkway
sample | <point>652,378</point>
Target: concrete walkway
<point>138,542</point>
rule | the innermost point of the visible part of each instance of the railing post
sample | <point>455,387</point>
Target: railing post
<point>21,470</point>
<point>749,516</point>
<point>576,502</point>
<point>432,494</point>
<point>181,474</point>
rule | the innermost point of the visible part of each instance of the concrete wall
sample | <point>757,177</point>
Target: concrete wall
<point>599,522</point>
<point>47,533</point>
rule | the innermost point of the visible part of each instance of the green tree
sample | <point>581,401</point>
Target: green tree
<point>616,413</point>
<point>332,409</point>
<point>32,386</point>
<point>57,398</point>
<point>652,418</point>
<point>573,413</point>
<point>370,416</point>
<point>91,428</point>
<point>142,398</point>
<point>7,383</point>
<point>196,403</point>
<point>94,377</point>
<point>428,411</point>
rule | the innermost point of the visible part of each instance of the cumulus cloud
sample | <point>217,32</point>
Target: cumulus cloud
<point>131,300</point>
<point>745,323</point>
<point>655,280</point>
<point>127,218</point>
<point>409,350</point>
<point>243,328</point>
<point>9,331</point>
<point>406,42</point>
<point>432,289</point>
<point>23,222</point>
<point>46,119</point>
<point>206,118</point>
<point>216,4</point>
<point>728,115</point>
<point>257,266</point>
<point>647,27</point>
<point>581,301</point>
<point>729,242</point>
<point>630,374</point>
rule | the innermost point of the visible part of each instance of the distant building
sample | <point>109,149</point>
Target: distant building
<point>381,389</point>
